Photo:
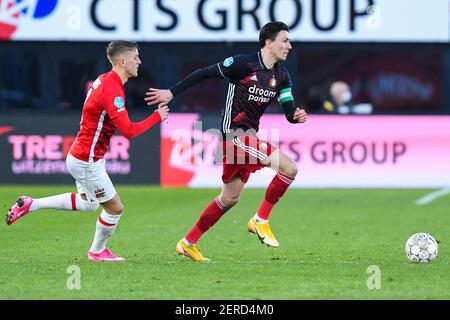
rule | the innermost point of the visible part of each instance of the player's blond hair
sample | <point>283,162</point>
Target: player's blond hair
<point>117,47</point>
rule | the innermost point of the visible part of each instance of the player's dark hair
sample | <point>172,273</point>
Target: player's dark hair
<point>270,31</point>
<point>119,46</point>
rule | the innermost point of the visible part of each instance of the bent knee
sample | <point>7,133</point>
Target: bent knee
<point>291,170</point>
<point>118,209</point>
<point>115,208</point>
<point>229,201</point>
<point>87,206</point>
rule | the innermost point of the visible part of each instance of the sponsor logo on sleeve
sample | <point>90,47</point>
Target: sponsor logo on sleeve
<point>228,62</point>
<point>119,102</point>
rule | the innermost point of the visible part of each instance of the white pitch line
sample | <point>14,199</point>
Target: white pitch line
<point>432,196</point>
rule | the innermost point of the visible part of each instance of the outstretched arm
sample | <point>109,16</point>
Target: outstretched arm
<point>163,97</point>
<point>113,100</point>
<point>133,129</point>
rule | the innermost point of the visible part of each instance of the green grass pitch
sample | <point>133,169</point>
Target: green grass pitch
<point>328,238</point>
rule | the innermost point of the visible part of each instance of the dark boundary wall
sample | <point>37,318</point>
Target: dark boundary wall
<point>57,74</point>
<point>33,148</point>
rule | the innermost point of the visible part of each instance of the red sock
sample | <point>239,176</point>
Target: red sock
<point>275,191</point>
<point>212,213</point>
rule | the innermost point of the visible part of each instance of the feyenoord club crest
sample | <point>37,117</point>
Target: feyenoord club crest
<point>273,82</point>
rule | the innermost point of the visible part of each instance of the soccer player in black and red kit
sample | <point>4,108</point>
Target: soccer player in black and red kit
<point>254,81</point>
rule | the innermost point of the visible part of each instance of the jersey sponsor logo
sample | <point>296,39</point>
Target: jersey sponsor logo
<point>260,95</point>
<point>14,12</point>
<point>228,62</point>
<point>119,103</point>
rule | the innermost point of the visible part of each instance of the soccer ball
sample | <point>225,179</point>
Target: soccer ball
<point>421,247</point>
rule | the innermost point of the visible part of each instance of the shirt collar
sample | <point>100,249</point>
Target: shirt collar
<point>261,62</point>
<point>116,77</point>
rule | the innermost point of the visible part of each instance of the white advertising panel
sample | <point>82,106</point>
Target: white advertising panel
<point>223,20</point>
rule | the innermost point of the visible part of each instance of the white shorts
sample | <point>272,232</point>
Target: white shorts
<point>91,179</point>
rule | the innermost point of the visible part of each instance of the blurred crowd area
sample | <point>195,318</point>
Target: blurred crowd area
<point>394,79</point>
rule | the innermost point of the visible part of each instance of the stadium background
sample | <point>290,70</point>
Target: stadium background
<point>398,63</point>
<point>394,54</point>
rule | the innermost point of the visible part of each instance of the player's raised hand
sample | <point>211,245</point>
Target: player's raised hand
<point>161,96</point>
<point>163,112</point>
<point>300,115</point>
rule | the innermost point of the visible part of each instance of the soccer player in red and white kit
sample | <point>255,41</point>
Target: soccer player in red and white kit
<point>103,112</point>
<point>255,80</point>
